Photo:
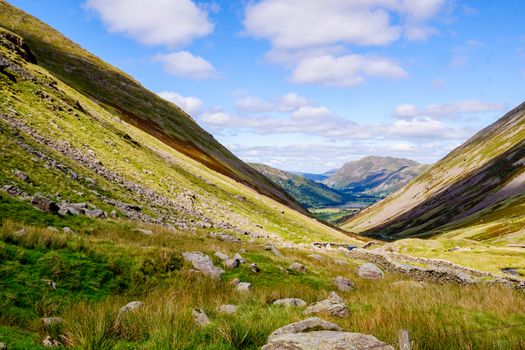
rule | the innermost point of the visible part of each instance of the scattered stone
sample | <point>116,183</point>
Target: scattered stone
<point>203,263</point>
<point>409,284</point>
<point>45,204</point>
<point>200,318</point>
<point>227,309</point>
<point>51,343</point>
<point>231,264</point>
<point>370,271</point>
<point>243,286</point>
<point>145,232</point>
<point>20,233</point>
<point>340,262</point>
<point>344,284</point>
<point>50,283</point>
<point>235,282</point>
<point>49,321</point>
<point>315,256</point>
<point>21,175</point>
<point>240,258</point>
<point>52,229</point>
<point>297,267</point>
<point>290,302</point>
<point>273,249</point>
<point>333,305</point>
<point>131,306</point>
<point>95,213</point>
<point>254,268</point>
<point>68,230</point>
<point>224,237</point>
<point>3,346</point>
<point>221,256</point>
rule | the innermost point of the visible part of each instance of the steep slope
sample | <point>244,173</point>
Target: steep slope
<point>311,176</point>
<point>128,100</point>
<point>67,154</point>
<point>307,192</point>
<point>375,175</point>
<point>479,187</point>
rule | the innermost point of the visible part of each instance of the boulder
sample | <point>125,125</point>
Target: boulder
<point>290,302</point>
<point>273,249</point>
<point>240,258</point>
<point>254,268</point>
<point>369,271</point>
<point>231,264</point>
<point>224,237</point>
<point>221,256</point>
<point>45,204</point>
<point>315,256</point>
<point>203,263</point>
<point>235,282</point>
<point>200,317</point>
<point>308,325</point>
<point>95,213</point>
<point>49,321</point>
<point>145,232</point>
<point>343,284</point>
<point>243,286</point>
<point>227,309</point>
<point>131,306</point>
<point>297,267</point>
<point>333,306</point>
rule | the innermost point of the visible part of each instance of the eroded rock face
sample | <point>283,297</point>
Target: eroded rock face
<point>370,271</point>
<point>203,263</point>
<point>344,284</point>
<point>290,302</point>
<point>333,306</point>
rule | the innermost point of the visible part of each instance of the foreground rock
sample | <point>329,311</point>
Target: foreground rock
<point>203,263</point>
<point>344,284</point>
<point>370,271</point>
<point>131,306</point>
<point>333,306</point>
<point>297,267</point>
<point>200,318</point>
<point>290,302</point>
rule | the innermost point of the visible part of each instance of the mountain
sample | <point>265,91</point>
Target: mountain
<point>81,139</point>
<point>374,175</point>
<point>305,191</point>
<point>128,100</point>
<point>477,191</point>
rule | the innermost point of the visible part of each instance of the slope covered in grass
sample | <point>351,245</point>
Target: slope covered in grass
<point>126,99</point>
<point>478,187</point>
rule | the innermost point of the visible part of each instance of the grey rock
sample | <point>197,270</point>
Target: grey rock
<point>145,232</point>
<point>297,267</point>
<point>273,249</point>
<point>333,305</point>
<point>235,282</point>
<point>52,229</point>
<point>203,263</point>
<point>231,264</point>
<point>340,262</point>
<point>307,325</point>
<point>343,284</point>
<point>227,309</point>
<point>243,286</point>
<point>45,204</point>
<point>131,306</point>
<point>200,318</point>
<point>315,256</point>
<point>49,321</point>
<point>240,258</point>
<point>50,283</point>
<point>50,342</point>
<point>290,302</point>
<point>21,175</point>
<point>68,230</point>
<point>20,233</point>
<point>222,256</point>
<point>254,268</point>
<point>96,213</point>
<point>369,271</point>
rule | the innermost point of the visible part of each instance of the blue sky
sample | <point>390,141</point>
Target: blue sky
<point>307,85</point>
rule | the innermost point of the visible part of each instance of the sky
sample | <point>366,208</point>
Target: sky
<point>307,85</point>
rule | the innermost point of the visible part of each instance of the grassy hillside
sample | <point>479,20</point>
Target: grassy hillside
<point>128,100</point>
<point>307,192</point>
<point>474,192</point>
<point>373,175</point>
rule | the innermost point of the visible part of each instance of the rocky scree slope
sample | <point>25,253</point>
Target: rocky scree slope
<point>375,175</point>
<point>128,100</point>
<point>69,155</point>
<point>307,192</point>
<point>479,187</point>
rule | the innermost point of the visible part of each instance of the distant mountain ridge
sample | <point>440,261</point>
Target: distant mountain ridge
<point>375,175</point>
<point>476,191</point>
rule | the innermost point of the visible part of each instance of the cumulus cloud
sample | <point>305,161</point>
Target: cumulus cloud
<point>454,110</point>
<point>155,22</point>
<point>188,104</point>
<point>424,128</point>
<point>344,71</point>
<point>286,103</point>
<point>185,64</point>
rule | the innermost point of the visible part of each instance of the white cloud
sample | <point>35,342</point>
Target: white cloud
<point>184,64</point>
<point>454,110</point>
<point>172,23</point>
<point>424,128</point>
<point>285,103</point>
<point>188,104</point>
<point>344,71</point>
